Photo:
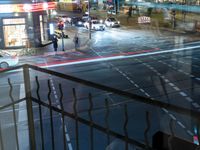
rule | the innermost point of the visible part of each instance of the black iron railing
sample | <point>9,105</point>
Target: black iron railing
<point>66,112</point>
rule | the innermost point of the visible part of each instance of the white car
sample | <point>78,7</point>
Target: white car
<point>95,25</point>
<point>111,12</point>
<point>62,18</point>
<point>8,60</point>
<point>112,22</point>
<point>85,16</point>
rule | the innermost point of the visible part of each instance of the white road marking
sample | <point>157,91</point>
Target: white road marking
<point>192,76</point>
<point>176,88</point>
<point>56,98</point>
<point>147,94</point>
<point>190,133</point>
<point>198,79</point>
<point>195,105</point>
<point>166,80</point>
<point>165,110</point>
<point>137,85</point>
<point>183,94</point>
<point>142,90</point>
<point>189,99</point>
<point>171,84</point>
<point>172,116</point>
<point>181,124</point>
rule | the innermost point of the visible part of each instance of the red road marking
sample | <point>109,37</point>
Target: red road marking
<point>93,58</point>
<point>96,57</point>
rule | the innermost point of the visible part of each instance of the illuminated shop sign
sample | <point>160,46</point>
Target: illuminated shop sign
<point>69,1</point>
<point>10,8</point>
<point>14,21</point>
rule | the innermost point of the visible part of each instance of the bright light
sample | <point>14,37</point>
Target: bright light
<point>195,137</point>
<point>16,14</point>
<point>54,13</point>
<point>27,7</point>
<point>80,23</point>
<point>195,140</point>
<point>45,6</point>
<point>51,27</point>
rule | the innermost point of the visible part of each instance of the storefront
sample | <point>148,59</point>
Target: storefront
<point>24,25</point>
<point>72,5</point>
<point>11,30</point>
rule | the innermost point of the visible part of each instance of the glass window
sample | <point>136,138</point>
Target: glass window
<point>14,32</point>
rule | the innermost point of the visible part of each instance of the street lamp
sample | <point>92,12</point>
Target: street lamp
<point>89,20</point>
<point>60,27</point>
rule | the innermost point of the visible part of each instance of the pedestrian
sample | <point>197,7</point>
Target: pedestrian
<point>55,43</point>
<point>76,41</point>
<point>129,14</point>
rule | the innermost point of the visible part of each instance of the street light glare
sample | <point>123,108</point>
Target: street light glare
<point>54,13</point>
<point>27,7</point>
<point>45,6</point>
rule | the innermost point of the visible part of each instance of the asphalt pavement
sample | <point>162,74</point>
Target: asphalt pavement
<point>111,43</point>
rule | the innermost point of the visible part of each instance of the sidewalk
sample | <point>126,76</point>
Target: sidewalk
<point>47,48</point>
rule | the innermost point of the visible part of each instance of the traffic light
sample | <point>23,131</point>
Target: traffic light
<point>61,25</point>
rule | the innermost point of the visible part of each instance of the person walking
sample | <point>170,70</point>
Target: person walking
<point>129,14</point>
<point>76,41</point>
<point>55,43</point>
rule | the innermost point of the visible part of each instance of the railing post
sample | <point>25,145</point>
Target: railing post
<point>29,107</point>
<point>76,119</point>
<point>1,139</point>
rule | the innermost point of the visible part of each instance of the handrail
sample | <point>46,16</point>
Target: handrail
<point>134,97</point>
<point>91,125</point>
<point>94,125</point>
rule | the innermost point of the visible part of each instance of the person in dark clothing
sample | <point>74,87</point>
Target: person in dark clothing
<point>129,14</point>
<point>76,41</point>
<point>55,43</point>
<point>130,11</point>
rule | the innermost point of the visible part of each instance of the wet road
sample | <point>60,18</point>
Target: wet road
<point>168,72</point>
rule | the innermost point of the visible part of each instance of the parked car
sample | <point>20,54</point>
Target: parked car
<point>62,18</point>
<point>8,60</point>
<point>77,21</point>
<point>85,17</point>
<point>95,25</point>
<point>112,22</point>
<point>111,12</point>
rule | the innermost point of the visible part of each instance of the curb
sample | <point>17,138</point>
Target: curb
<point>69,50</point>
<point>171,30</point>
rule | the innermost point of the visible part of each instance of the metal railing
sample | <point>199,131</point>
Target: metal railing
<point>60,111</point>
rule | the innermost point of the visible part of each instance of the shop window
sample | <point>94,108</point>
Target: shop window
<point>14,32</point>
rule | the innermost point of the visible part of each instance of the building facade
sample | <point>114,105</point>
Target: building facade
<point>24,23</point>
